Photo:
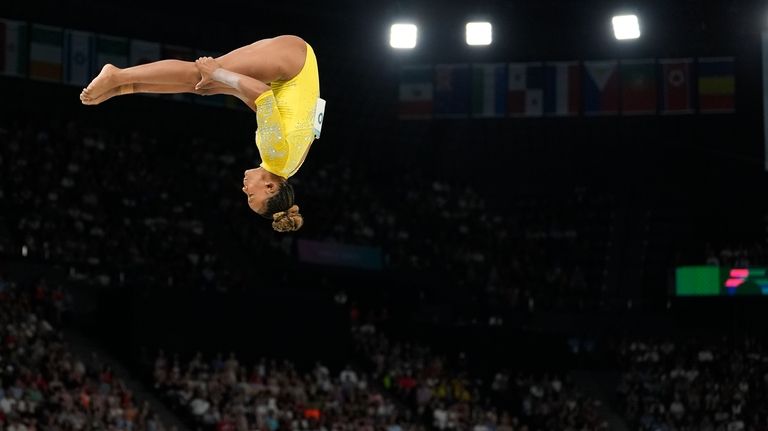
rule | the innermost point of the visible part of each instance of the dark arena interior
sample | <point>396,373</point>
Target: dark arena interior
<point>550,219</point>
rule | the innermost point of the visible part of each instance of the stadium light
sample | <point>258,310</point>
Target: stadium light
<point>626,27</point>
<point>479,33</point>
<point>403,36</point>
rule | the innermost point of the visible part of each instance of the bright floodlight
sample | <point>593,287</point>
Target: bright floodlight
<point>626,27</point>
<point>479,33</point>
<point>402,36</point>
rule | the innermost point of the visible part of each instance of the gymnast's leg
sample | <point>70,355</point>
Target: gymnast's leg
<point>211,89</point>
<point>113,81</point>
<point>277,59</point>
<point>267,60</point>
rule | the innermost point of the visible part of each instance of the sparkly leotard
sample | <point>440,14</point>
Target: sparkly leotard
<point>285,115</point>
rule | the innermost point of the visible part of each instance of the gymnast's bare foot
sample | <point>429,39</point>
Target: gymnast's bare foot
<point>99,86</point>
<point>112,92</point>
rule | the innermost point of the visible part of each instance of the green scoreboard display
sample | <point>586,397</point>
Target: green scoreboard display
<point>720,281</point>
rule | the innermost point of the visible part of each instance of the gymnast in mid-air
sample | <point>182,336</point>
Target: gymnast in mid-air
<point>277,78</point>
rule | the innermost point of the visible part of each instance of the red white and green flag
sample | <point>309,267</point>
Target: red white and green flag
<point>416,92</point>
<point>46,52</point>
<point>638,86</point>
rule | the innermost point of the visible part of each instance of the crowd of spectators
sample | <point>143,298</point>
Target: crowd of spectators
<point>108,206</point>
<point>45,386</point>
<point>528,254</point>
<point>226,395</point>
<point>741,255</point>
<point>401,386</point>
<point>702,385</point>
<point>448,394</point>
<point>130,207</point>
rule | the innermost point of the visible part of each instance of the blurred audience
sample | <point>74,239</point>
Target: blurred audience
<point>124,208</point>
<point>695,385</point>
<point>45,386</point>
<point>447,395</point>
<point>223,394</point>
<point>742,255</point>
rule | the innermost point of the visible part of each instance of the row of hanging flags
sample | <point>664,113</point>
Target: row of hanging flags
<point>568,88</point>
<point>74,57</point>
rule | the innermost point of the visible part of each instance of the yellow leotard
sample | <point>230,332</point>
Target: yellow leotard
<point>285,115</point>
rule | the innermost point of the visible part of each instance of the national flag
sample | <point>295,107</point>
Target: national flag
<point>15,45</point>
<point>45,52</point>
<point>716,84</point>
<point>143,52</point>
<point>525,92</point>
<point>79,49</point>
<point>638,86</point>
<point>111,50</point>
<point>601,87</point>
<point>489,90</point>
<point>562,88</point>
<point>416,92</point>
<point>676,86</point>
<point>452,82</point>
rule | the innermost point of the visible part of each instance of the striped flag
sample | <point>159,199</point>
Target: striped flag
<point>143,52</point>
<point>601,87</point>
<point>489,90</point>
<point>562,88</point>
<point>676,86</point>
<point>525,93</point>
<point>452,83</point>
<point>79,49</point>
<point>638,86</point>
<point>716,84</point>
<point>416,92</point>
<point>15,44</point>
<point>111,50</point>
<point>45,52</point>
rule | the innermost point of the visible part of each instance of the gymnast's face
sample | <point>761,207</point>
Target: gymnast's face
<point>259,185</point>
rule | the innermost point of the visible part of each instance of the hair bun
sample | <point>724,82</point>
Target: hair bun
<point>287,221</point>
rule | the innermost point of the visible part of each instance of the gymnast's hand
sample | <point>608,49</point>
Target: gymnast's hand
<point>206,66</point>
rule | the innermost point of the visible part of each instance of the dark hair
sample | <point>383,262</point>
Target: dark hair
<point>282,211</point>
